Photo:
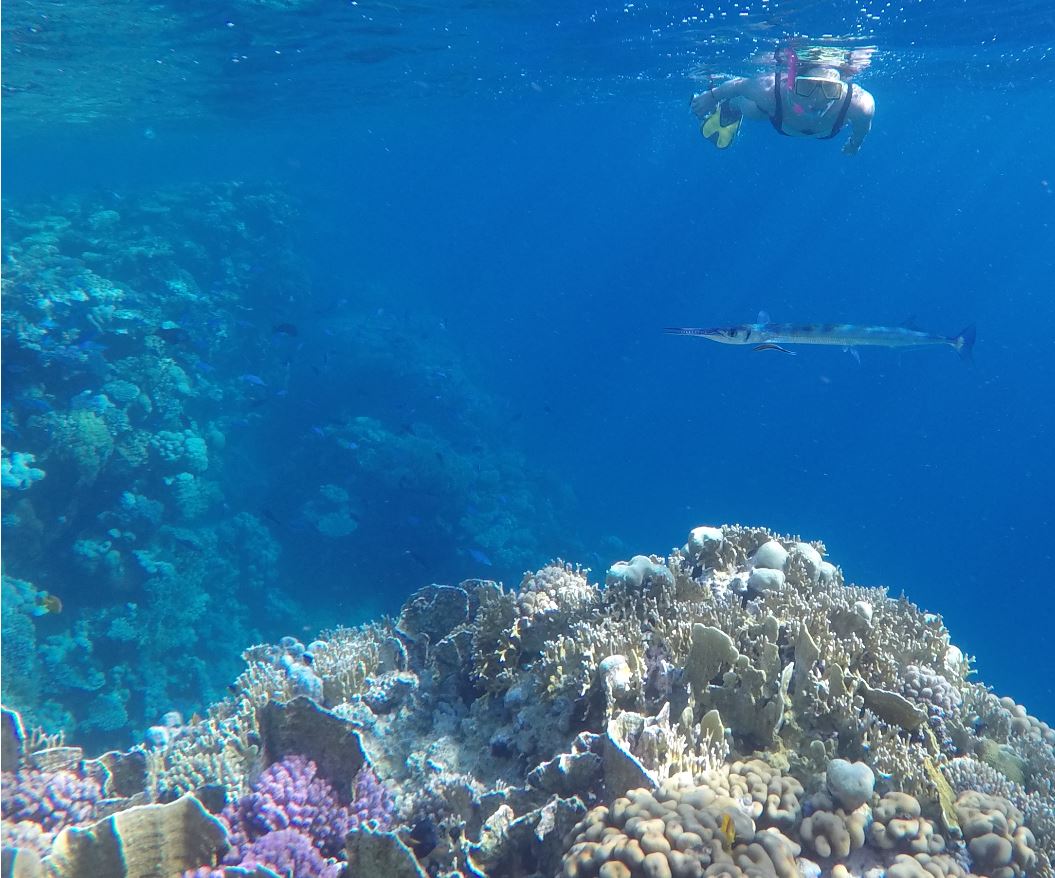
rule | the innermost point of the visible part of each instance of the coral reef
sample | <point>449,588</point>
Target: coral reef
<point>679,721</point>
<point>116,327</point>
<point>148,338</point>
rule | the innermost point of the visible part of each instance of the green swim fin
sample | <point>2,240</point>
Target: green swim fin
<point>721,127</point>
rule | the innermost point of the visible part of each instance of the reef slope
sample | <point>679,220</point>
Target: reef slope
<point>733,708</point>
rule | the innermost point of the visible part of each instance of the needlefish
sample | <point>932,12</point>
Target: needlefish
<point>766,336</point>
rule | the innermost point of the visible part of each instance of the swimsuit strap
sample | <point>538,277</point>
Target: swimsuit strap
<point>778,117</point>
<point>840,120</point>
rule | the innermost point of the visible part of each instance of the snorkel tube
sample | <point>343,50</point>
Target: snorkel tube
<point>791,62</point>
<point>791,67</point>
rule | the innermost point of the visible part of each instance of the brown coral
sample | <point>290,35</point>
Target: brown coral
<point>683,830</point>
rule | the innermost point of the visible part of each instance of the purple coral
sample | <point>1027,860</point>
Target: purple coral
<point>932,690</point>
<point>286,852</point>
<point>289,852</point>
<point>52,799</point>
<point>373,805</point>
<point>291,795</point>
<point>26,835</point>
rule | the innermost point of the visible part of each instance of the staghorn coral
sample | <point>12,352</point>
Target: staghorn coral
<point>663,750</point>
<point>220,751</point>
<point>346,658</point>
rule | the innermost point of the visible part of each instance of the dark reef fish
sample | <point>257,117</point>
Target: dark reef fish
<point>767,336</point>
<point>32,403</point>
<point>424,837</point>
<point>174,334</point>
<point>285,329</point>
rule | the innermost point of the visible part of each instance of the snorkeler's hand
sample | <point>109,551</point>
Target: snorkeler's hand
<point>851,147</point>
<point>703,104</point>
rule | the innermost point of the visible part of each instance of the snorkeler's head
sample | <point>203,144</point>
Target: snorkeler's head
<point>819,84</point>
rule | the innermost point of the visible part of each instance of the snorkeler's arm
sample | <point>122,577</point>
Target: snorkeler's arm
<point>704,103</point>
<point>860,118</point>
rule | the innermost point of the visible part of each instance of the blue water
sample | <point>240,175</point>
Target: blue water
<point>497,210</point>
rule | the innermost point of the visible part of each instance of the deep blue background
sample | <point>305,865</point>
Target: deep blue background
<point>554,239</point>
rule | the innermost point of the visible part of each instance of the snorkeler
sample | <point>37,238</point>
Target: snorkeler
<point>816,103</point>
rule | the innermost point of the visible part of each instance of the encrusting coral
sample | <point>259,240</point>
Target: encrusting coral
<point>700,715</point>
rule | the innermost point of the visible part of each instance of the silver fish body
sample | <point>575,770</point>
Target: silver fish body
<point>770,336</point>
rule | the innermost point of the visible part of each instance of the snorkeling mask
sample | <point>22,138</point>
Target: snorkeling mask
<point>826,80</point>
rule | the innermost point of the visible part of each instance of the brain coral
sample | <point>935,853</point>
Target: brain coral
<point>680,830</point>
<point>83,437</point>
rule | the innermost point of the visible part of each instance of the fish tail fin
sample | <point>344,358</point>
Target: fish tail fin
<point>964,343</point>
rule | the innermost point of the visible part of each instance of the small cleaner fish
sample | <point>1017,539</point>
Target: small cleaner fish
<point>767,336</point>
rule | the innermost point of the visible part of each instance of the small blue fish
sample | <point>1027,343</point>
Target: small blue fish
<point>479,557</point>
<point>33,403</point>
<point>249,378</point>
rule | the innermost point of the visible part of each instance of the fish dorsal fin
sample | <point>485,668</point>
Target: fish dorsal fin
<point>763,317</point>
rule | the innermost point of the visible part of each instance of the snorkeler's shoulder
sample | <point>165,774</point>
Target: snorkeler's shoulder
<point>862,103</point>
